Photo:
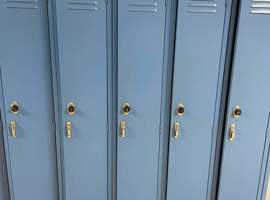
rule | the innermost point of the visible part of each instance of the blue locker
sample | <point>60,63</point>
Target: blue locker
<point>198,74</point>
<point>247,128</point>
<point>141,33</point>
<point>80,31</point>
<point>27,100</point>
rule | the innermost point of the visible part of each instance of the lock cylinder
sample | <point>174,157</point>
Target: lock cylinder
<point>71,108</point>
<point>237,112</point>
<point>126,108</point>
<point>180,110</point>
<point>14,107</point>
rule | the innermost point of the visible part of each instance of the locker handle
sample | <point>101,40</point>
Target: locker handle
<point>176,130</point>
<point>69,130</point>
<point>267,196</point>
<point>232,132</point>
<point>13,129</point>
<point>123,129</point>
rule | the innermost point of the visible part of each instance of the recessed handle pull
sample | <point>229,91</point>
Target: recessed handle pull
<point>13,129</point>
<point>232,132</point>
<point>123,129</point>
<point>176,130</point>
<point>69,130</point>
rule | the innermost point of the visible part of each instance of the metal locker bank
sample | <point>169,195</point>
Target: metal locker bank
<point>134,99</point>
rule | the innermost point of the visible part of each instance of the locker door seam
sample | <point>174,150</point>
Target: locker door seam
<point>6,139</point>
<point>161,118</point>
<point>57,96</point>
<point>217,104</point>
<point>55,116</point>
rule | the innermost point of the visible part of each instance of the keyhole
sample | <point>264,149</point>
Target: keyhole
<point>71,108</point>
<point>180,110</point>
<point>14,107</point>
<point>126,108</point>
<point>237,111</point>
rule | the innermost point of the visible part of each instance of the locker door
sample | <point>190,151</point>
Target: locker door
<point>141,33</point>
<point>249,104</point>
<point>27,101</point>
<point>82,66</point>
<point>196,86</point>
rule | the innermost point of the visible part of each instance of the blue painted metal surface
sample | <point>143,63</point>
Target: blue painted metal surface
<point>243,157</point>
<point>196,81</point>
<point>81,40</point>
<point>26,78</point>
<point>141,32</point>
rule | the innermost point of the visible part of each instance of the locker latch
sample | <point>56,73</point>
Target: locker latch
<point>232,132</point>
<point>123,129</point>
<point>69,129</point>
<point>13,129</point>
<point>176,129</point>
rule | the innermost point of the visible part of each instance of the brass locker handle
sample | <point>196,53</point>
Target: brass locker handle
<point>69,130</point>
<point>176,130</point>
<point>13,129</point>
<point>267,197</point>
<point>123,129</point>
<point>232,132</point>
